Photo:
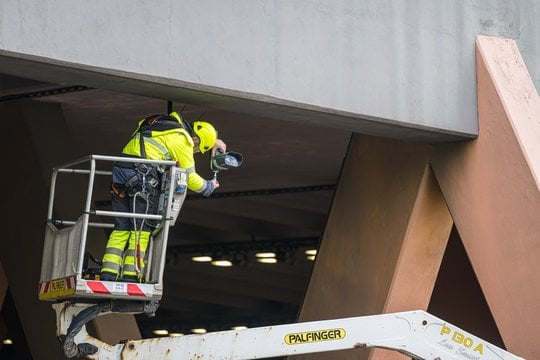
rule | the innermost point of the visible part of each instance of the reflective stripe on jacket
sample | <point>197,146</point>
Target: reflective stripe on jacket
<point>174,144</point>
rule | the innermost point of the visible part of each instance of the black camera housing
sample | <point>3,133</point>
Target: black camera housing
<point>225,161</point>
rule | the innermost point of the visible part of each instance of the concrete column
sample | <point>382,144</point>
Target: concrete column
<point>384,239</point>
<point>422,251</point>
<point>492,189</point>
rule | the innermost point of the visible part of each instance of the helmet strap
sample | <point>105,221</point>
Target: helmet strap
<point>188,127</point>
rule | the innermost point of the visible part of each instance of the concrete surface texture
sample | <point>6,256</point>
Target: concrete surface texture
<point>492,189</point>
<point>374,63</point>
<point>384,238</point>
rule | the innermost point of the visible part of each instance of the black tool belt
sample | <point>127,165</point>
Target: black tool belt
<point>126,164</point>
<point>147,178</point>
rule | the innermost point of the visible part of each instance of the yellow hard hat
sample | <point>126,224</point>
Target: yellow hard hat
<point>206,133</point>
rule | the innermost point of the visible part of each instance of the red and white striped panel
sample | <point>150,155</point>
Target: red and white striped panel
<point>120,289</point>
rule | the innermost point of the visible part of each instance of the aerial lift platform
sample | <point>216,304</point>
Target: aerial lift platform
<point>80,296</point>
<point>65,269</point>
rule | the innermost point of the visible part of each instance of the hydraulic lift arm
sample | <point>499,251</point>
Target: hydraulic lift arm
<point>417,334</point>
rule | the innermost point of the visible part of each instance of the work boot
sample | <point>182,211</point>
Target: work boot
<point>107,276</point>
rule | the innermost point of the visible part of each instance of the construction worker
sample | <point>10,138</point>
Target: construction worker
<point>135,187</point>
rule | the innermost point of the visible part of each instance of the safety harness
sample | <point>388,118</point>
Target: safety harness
<point>148,174</point>
<point>158,123</point>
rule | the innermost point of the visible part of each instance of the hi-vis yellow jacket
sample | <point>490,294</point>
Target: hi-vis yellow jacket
<point>172,144</point>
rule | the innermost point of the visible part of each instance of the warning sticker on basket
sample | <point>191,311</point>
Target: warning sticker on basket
<point>57,285</point>
<point>57,288</point>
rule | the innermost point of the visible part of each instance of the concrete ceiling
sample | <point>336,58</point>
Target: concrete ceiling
<point>278,199</point>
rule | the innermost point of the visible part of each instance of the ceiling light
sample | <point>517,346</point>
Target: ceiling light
<point>176,334</point>
<point>201,258</point>
<point>310,252</point>
<point>161,332</point>
<point>266,255</point>
<point>240,327</point>
<point>7,342</point>
<point>223,263</point>
<point>310,257</point>
<point>267,260</point>
<point>198,331</point>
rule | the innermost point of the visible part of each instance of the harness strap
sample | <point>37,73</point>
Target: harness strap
<point>163,149</point>
<point>120,193</point>
<point>158,123</point>
<point>148,122</point>
<point>141,146</point>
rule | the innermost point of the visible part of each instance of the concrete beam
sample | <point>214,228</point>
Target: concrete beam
<point>385,68</point>
<point>238,101</point>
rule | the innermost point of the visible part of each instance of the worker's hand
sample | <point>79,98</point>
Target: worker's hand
<point>220,145</point>
<point>209,188</point>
